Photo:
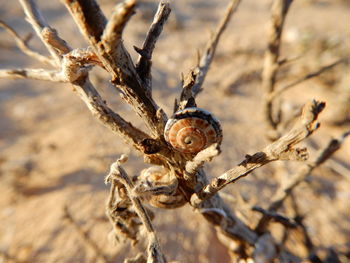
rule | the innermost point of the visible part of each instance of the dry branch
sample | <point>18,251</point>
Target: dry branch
<point>279,12</point>
<point>28,73</point>
<point>144,62</point>
<point>116,59</point>
<point>112,34</point>
<point>284,192</point>
<point>203,156</point>
<point>287,222</point>
<point>282,149</point>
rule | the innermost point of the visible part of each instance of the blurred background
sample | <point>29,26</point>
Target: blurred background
<point>54,153</point>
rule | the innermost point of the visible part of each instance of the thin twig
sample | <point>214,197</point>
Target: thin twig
<point>112,34</point>
<point>209,53</point>
<point>23,46</point>
<point>36,19</point>
<point>85,236</point>
<point>306,77</point>
<point>303,173</point>
<point>203,156</point>
<point>52,38</point>
<point>144,62</point>
<point>282,149</point>
<point>38,74</point>
<point>279,12</point>
<point>287,222</point>
<point>192,83</point>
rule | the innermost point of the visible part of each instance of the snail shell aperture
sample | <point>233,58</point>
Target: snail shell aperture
<point>192,130</point>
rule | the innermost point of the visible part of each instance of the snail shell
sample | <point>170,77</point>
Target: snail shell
<point>155,175</point>
<point>192,130</point>
<point>159,176</point>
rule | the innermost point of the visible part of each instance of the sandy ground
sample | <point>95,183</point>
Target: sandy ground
<point>54,153</point>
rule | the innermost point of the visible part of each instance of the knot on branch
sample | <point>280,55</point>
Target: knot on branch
<point>150,146</point>
<point>76,64</point>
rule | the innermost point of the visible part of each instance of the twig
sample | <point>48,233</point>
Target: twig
<point>144,62</point>
<point>285,61</point>
<point>51,37</point>
<point>282,149</point>
<point>306,77</point>
<point>84,236</point>
<point>283,193</point>
<point>118,173</point>
<point>35,18</point>
<point>112,35</point>
<point>23,46</point>
<point>38,74</point>
<point>287,222</point>
<point>197,75</point>
<point>279,12</point>
<point>198,161</point>
<point>209,53</point>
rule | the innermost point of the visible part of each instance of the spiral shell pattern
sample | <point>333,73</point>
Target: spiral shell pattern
<point>192,130</point>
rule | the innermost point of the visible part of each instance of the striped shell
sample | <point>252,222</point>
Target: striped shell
<point>192,130</point>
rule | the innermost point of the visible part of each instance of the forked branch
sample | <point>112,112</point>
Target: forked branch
<point>144,62</point>
<point>36,19</point>
<point>107,44</point>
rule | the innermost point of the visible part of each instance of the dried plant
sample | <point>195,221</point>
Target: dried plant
<point>179,177</point>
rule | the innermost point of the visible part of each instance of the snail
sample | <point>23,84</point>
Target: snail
<point>155,179</point>
<point>192,130</point>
